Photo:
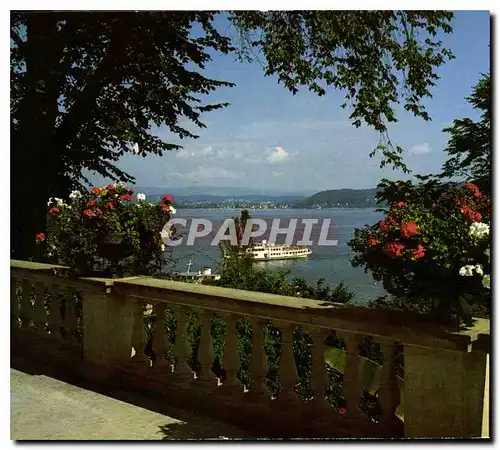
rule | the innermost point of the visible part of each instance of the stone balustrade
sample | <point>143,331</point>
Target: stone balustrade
<point>101,323</point>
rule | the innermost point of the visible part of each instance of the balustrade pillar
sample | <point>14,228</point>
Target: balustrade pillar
<point>206,348</point>
<point>351,385</point>
<point>26,310</point>
<point>160,338</point>
<point>319,376</point>
<point>139,333</point>
<point>258,362</point>
<point>182,348</point>
<point>40,314</point>
<point>54,318</point>
<point>14,305</point>
<point>70,322</point>
<point>388,393</point>
<point>288,370</point>
<point>231,356</point>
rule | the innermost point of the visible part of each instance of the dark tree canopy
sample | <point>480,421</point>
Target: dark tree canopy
<point>469,146</point>
<point>87,86</point>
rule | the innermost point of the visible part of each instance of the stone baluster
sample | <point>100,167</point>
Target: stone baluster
<point>70,325</point>
<point>258,362</point>
<point>14,305</point>
<point>138,333</point>
<point>351,386</point>
<point>206,348</point>
<point>388,393</point>
<point>319,376</point>
<point>160,338</point>
<point>231,357</point>
<point>287,370</point>
<point>40,315</point>
<point>55,319</point>
<point>26,311</point>
<point>182,369</point>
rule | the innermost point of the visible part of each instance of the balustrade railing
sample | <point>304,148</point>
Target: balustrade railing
<point>128,324</point>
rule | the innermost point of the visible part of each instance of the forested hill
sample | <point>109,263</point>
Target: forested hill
<point>351,198</point>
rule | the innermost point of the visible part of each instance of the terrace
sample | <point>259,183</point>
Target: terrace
<point>92,333</point>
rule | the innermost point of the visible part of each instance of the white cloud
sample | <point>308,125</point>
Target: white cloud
<point>278,155</point>
<point>420,149</point>
<point>277,174</point>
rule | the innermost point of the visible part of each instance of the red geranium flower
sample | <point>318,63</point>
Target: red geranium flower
<point>471,215</point>
<point>99,212</point>
<point>473,187</point>
<point>54,210</point>
<point>386,224</point>
<point>168,198</point>
<point>419,252</point>
<point>401,204</point>
<point>165,207</point>
<point>126,197</point>
<point>409,229</point>
<point>91,203</point>
<point>109,205</point>
<point>111,187</point>
<point>96,190</point>
<point>394,249</point>
<point>89,212</point>
<point>40,237</point>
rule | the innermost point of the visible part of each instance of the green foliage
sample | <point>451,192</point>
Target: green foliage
<point>102,231</point>
<point>377,58</point>
<point>417,251</point>
<point>469,146</point>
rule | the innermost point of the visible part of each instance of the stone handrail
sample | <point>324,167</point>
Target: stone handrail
<point>444,372</point>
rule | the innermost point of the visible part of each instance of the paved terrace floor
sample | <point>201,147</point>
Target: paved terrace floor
<point>44,408</point>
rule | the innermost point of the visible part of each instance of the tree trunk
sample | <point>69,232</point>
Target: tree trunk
<point>34,164</point>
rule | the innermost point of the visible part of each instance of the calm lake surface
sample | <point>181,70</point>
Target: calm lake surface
<point>329,262</point>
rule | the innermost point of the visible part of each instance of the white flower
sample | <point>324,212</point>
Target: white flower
<point>172,210</point>
<point>141,197</point>
<point>163,247</point>
<point>479,230</point>
<point>486,281</point>
<point>479,269</point>
<point>56,201</point>
<point>467,271</point>
<point>75,194</point>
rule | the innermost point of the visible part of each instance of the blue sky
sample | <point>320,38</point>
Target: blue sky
<point>269,138</point>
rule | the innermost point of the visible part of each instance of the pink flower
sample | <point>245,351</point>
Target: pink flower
<point>40,237</point>
<point>401,204</point>
<point>394,249</point>
<point>419,252</point>
<point>168,198</point>
<point>91,203</point>
<point>96,190</point>
<point>99,212</point>
<point>89,212</point>
<point>54,210</point>
<point>109,205</point>
<point>409,229</point>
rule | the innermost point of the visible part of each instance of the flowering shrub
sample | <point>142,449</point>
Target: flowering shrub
<point>429,250</point>
<point>102,230</point>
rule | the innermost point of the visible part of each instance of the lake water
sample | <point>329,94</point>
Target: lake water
<point>329,262</point>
